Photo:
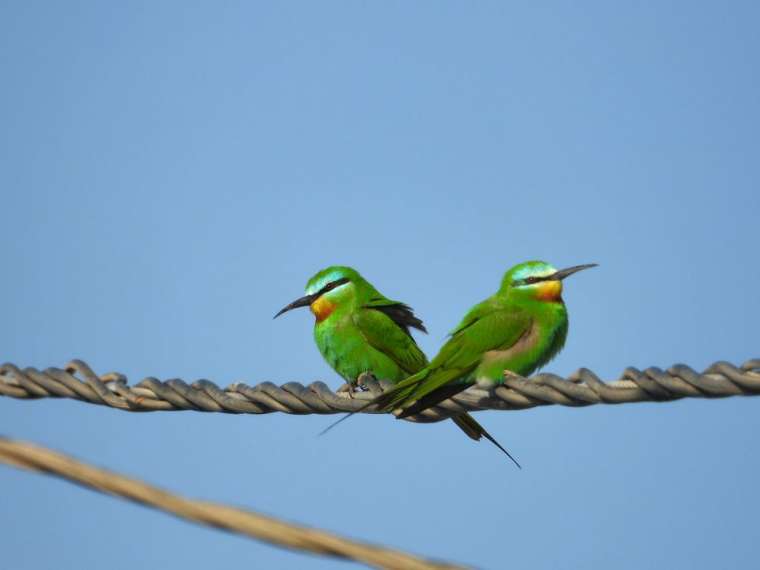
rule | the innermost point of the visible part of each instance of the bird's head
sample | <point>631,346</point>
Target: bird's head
<point>538,280</point>
<point>333,287</point>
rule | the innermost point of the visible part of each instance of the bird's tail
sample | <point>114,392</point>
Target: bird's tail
<point>474,430</point>
<point>388,400</point>
<point>391,398</point>
<point>469,426</point>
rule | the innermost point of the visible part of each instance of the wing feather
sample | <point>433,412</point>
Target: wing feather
<point>487,327</point>
<point>386,336</point>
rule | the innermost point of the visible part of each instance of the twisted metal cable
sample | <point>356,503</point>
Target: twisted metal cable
<point>583,388</point>
<point>268,529</point>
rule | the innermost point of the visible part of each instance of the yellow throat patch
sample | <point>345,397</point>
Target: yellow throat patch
<point>322,308</point>
<point>549,291</point>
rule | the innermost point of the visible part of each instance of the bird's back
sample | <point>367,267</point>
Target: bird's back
<point>494,336</point>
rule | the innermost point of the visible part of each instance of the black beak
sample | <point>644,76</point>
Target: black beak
<point>561,274</point>
<point>302,302</point>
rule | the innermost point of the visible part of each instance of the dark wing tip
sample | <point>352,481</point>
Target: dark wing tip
<point>433,398</point>
<point>403,315</point>
<point>412,319</point>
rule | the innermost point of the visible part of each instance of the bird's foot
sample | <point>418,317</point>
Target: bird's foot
<point>509,375</point>
<point>347,387</point>
<point>365,381</point>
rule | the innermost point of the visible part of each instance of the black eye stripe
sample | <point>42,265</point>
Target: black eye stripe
<point>332,285</point>
<point>534,279</point>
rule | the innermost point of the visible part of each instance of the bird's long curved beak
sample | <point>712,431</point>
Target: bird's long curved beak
<point>302,302</point>
<point>562,273</point>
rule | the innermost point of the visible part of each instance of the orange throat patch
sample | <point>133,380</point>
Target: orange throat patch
<point>322,308</point>
<point>549,291</point>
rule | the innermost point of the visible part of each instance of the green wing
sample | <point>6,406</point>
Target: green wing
<point>488,326</point>
<point>383,334</point>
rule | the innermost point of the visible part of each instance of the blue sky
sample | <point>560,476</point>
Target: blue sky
<point>172,174</point>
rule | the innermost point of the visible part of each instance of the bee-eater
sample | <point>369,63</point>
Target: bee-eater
<point>518,329</point>
<point>359,330</point>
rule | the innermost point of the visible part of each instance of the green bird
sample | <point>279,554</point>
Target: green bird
<point>358,330</point>
<point>518,330</point>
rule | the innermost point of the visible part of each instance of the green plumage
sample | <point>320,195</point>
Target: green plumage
<point>359,337</point>
<point>359,330</point>
<point>518,329</point>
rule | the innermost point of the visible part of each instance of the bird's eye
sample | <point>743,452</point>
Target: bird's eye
<point>332,285</point>
<point>531,279</point>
